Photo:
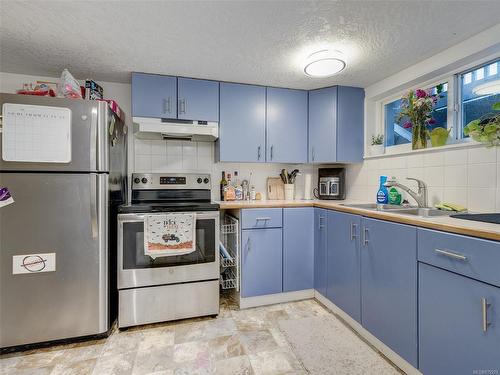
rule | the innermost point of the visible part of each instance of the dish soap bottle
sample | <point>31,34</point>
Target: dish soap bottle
<point>382,193</point>
<point>394,197</point>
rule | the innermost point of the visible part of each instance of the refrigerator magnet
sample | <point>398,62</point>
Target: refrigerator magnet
<point>5,197</point>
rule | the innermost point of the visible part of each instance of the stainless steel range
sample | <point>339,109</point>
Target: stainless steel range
<point>168,287</point>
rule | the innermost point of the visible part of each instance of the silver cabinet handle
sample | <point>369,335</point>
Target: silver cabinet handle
<point>321,225</point>
<point>353,231</point>
<point>451,254</point>
<point>93,205</point>
<point>167,108</point>
<point>182,106</point>
<point>365,236</point>
<point>272,147</point>
<point>248,245</point>
<point>262,218</point>
<point>485,305</point>
<point>258,153</point>
<point>312,153</point>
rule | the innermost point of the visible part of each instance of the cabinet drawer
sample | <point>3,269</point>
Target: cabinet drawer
<point>255,218</point>
<point>472,257</point>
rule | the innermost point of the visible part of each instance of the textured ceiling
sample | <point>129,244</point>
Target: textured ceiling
<point>261,42</point>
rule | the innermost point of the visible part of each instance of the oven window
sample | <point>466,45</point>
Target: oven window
<point>133,247</point>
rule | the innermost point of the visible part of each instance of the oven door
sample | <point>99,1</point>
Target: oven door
<point>137,270</point>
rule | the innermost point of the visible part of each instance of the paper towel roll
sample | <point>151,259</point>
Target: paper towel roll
<point>307,185</point>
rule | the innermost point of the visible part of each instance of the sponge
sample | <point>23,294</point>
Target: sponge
<point>450,207</point>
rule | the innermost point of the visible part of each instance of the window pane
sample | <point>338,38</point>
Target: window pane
<point>475,106</point>
<point>396,134</point>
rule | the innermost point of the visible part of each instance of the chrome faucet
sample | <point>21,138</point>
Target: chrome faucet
<point>420,196</point>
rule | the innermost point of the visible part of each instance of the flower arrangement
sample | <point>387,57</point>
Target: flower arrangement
<point>486,129</point>
<point>416,110</point>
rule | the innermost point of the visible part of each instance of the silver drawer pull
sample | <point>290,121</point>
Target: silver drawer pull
<point>485,305</point>
<point>262,218</point>
<point>451,254</point>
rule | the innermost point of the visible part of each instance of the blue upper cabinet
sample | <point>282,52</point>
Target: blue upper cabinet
<point>198,99</point>
<point>154,95</point>
<point>343,262</point>
<point>336,124</point>
<point>286,125</point>
<point>298,249</point>
<point>320,248</point>
<point>389,285</point>
<point>459,323</point>
<point>242,126</point>
<point>322,125</point>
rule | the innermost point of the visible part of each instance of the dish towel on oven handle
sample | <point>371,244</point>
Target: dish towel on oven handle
<point>169,234</point>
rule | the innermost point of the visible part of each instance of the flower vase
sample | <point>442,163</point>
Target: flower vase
<point>419,137</point>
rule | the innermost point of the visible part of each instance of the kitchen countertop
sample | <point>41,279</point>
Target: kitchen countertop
<point>444,223</point>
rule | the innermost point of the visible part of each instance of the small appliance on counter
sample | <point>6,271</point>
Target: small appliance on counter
<point>331,183</point>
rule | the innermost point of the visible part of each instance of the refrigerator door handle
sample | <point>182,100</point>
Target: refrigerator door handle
<point>94,227</point>
<point>93,140</point>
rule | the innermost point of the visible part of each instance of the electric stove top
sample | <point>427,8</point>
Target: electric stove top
<point>486,218</point>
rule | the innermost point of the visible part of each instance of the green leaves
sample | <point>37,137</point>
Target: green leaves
<point>496,106</point>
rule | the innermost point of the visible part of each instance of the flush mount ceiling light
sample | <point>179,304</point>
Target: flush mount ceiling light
<point>488,88</point>
<point>324,63</point>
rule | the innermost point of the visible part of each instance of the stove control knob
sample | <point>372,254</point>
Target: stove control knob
<point>199,180</point>
<point>206,180</point>
<point>137,180</point>
<point>144,180</point>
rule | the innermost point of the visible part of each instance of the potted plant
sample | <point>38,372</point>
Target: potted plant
<point>416,110</point>
<point>486,129</point>
<point>377,144</point>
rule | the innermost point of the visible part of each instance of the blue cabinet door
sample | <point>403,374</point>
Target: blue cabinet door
<point>389,285</point>
<point>242,136</point>
<point>286,125</point>
<point>452,337</point>
<point>323,125</point>
<point>320,248</point>
<point>350,126</point>
<point>261,262</point>
<point>198,99</point>
<point>343,262</point>
<point>154,95</point>
<point>298,248</point>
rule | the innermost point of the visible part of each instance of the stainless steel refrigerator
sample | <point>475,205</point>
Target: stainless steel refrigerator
<point>57,238</point>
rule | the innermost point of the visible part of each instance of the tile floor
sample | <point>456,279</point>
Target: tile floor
<point>236,342</point>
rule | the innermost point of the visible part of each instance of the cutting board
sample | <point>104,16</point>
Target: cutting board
<point>275,188</point>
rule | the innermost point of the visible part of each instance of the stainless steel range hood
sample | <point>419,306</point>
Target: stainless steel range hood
<point>154,128</point>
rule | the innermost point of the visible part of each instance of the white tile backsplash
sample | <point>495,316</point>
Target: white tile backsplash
<point>198,157</point>
<point>467,176</point>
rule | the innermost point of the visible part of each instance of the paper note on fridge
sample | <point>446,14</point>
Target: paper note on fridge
<point>34,133</point>
<point>5,197</point>
<point>33,263</point>
<point>169,234</point>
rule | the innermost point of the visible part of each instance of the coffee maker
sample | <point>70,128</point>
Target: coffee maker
<point>331,183</point>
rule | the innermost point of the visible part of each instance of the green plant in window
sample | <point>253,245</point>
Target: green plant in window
<point>486,129</point>
<point>377,139</point>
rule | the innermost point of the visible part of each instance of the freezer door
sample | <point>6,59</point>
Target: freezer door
<point>90,135</point>
<point>53,257</point>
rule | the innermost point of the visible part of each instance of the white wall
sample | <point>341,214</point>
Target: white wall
<point>172,156</point>
<point>468,176</point>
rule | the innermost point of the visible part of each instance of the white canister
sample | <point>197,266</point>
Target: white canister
<point>289,192</point>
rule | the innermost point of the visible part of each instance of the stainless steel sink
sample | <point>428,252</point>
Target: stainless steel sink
<point>401,210</point>
<point>376,207</point>
<point>424,212</point>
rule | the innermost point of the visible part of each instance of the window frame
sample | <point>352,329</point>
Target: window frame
<point>454,118</point>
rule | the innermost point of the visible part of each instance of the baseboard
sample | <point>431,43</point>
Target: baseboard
<point>272,299</point>
<point>395,358</point>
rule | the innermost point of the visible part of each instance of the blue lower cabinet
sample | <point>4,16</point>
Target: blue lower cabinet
<point>343,262</point>
<point>320,249</point>
<point>459,324</point>
<point>298,249</point>
<point>261,262</point>
<point>389,285</point>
